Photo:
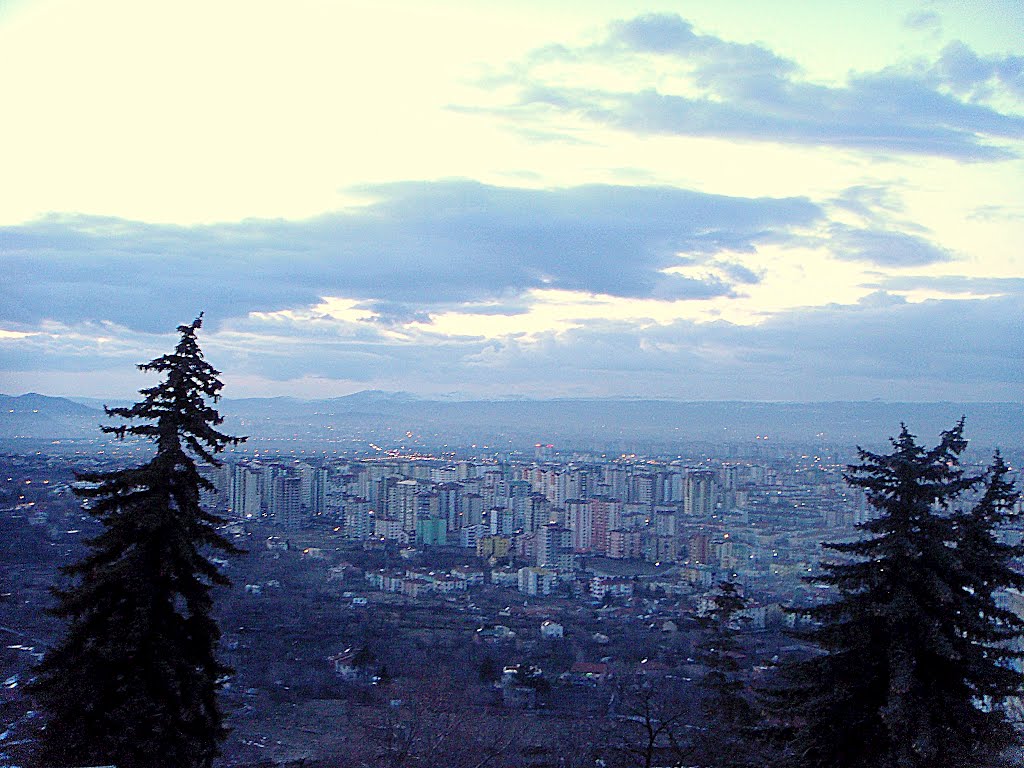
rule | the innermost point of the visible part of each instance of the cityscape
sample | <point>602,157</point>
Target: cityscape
<point>548,579</point>
<point>607,384</point>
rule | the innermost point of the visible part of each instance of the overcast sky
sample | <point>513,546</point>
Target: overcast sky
<point>700,200</point>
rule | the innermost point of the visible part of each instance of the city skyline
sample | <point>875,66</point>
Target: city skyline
<point>789,202</point>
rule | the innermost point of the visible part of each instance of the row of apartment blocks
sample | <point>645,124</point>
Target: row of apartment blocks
<point>521,496</point>
<point>374,502</point>
<point>529,580</point>
<point>521,510</point>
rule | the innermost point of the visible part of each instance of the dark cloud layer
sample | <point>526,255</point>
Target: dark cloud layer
<point>884,346</point>
<point>749,92</point>
<point>421,245</point>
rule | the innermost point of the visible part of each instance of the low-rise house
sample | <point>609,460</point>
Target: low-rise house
<point>345,665</point>
<point>473,577</point>
<point>448,584</point>
<point>417,587</point>
<point>337,572</point>
<point>505,577</point>
<point>587,673</point>
<point>537,581</point>
<point>610,585</point>
<point>551,629</point>
<point>651,668</point>
<point>497,632</point>
<point>519,685</point>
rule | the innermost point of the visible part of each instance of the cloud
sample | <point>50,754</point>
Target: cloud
<point>883,346</point>
<point>419,246</point>
<point>938,345</point>
<point>923,21</point>
<point>87,346</point>
<point>885,238</point>
<point>885,248</point>
<point>969,74</point>
<point>748,92</point>
<point>997,213</point>
<point>738,272</point>
<point>873,203</point>
<point>954,284</point>
<point>671,35</point>
<point>394,313</point>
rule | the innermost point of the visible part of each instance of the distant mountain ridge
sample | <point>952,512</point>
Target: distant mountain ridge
<point>596,422</point>
<point>33,402</point>
<point>43,417</point>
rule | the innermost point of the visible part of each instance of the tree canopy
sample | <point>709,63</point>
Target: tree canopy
<point>913,665</point>
<point>134,680</point>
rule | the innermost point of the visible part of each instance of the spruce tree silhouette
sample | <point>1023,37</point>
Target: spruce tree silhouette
<point>914,668</point>
<point>134,680</point>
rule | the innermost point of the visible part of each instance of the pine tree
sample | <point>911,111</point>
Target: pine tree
<point>730,716</point>
<point>993,629</point>
<point>912,626</point>
<point>134,680</point>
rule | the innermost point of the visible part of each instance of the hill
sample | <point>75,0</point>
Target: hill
<point>397,418</point>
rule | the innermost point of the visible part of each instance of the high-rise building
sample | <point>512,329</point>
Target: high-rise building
<point>543,452</point>
<point>449,503</point>
<point>699,493</point>
<point>537,581</point>
<point>431,531</point>
<point>641,489</point>
<point>606,515</point>
<point>214,498</point>
<point>472,509</point>
<point>286,501</point>
<point>447,474</point>
<point>579,518</point>
<point>502,521</point>
<point>537,512</point>
<point>428,505</point>
<point>402,504</point>
<point>469,535</point>
<point>357,518</point>
<point>615,479</point>
<point>672,487</point>
<point>555,548</point>
<point>729,474</point>
<point>665,519</point>
<point>699,549</point>
<point>577,484</point>
<point>244,501</point>
<point>625,545</point>
<point>318,491</point>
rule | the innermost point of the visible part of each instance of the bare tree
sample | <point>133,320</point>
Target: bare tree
<point>650,723</point>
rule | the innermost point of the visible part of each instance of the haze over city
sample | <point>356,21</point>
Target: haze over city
<point>709,200</point>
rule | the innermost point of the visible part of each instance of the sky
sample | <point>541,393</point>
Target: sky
<point>722,200</point>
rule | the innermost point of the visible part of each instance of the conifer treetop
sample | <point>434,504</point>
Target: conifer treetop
<point>933,471</point>
<point>176,408</point>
